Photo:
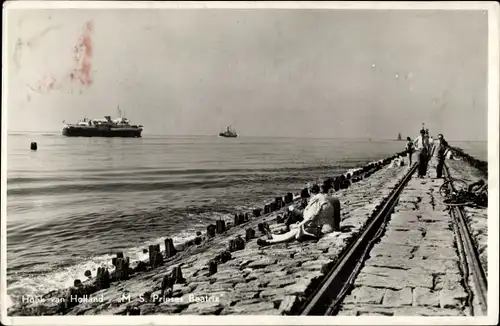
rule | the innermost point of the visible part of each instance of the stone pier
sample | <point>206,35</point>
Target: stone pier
<point>414,269</point>
<point>271,280</point>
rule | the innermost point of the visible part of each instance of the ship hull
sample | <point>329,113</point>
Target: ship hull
<point>98,132</point>
<point>227,136</point>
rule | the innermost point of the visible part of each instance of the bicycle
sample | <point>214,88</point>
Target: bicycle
<point>474,194</point>
<point>456,185</point>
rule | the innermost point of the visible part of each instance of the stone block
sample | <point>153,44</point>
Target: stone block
<point>453,298</point>
<point>203,308</point>
<point>261,263</point>
<point>289,305</point>
<point>391,250</point>
<point>426,311</point>
<point>365,294</point>
<point>449,281</point>
<point>365,310</point>
<point>436,253</point>
<point>425,297</point>
<point>399,298</point>
<point>390,262</point>
<point>394,282</point>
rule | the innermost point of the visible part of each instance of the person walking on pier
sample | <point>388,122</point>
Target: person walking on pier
<point>421,144</point>
<point>409,149</point>
<point>440,150</point>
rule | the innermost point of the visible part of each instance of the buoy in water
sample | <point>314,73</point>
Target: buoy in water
<point>33,146</point>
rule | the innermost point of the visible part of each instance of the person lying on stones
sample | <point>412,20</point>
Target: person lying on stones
<point>318,213</point>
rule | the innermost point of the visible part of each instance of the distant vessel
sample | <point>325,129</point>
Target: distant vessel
<point>399,136</point>
<point>106,127</point>
<point>231,133</point>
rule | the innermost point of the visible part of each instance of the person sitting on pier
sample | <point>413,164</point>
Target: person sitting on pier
<point>322,210</point>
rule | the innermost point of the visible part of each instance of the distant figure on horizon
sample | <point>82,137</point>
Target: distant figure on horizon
<point>410,148</point>
<point>421,144</point>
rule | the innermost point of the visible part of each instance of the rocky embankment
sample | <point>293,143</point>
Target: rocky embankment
<point>477,218</point>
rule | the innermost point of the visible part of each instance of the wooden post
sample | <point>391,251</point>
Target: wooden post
<point>211,229</point>
<point>239,243</point>
<point>241,218</point>
<point>102,278</point>
<point>170,250</point>
<point>121,271</point>
<point>220,226</point>
<point>167,284</point>
<point>159,258</point>
<point>250,234</point>
<point>33,146</point>
<point>177,275</point>
<point>212,267</point>
<point>140,267</point>
<point>261,228</point>
<point>231,245</point>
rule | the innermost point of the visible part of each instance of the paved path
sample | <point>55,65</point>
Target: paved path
<point>414,269</point>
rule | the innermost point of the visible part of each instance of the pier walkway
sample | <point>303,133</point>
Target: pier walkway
<point>414,270</point>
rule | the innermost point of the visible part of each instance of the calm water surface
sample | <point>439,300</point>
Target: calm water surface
<point>76,201</point>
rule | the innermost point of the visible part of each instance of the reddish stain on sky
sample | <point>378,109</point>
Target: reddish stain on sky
<point>82,73</point>
<point>46,84</point>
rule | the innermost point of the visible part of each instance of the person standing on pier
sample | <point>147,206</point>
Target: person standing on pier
<point>440,150</point>
<point>409,149</point>
<point>421,144</point>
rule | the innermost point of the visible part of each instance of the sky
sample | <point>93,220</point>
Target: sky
<point>271,73</point>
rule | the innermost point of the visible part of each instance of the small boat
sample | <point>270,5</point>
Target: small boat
<point>229,133</point>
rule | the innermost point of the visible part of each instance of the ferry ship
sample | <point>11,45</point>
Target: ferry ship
<point>106,127</point>
<point>230,133</point>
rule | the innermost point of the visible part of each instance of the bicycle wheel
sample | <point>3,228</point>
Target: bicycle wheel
<point>444,190</point>
<point>458,185</point>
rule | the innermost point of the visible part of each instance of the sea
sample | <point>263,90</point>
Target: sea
<point>75,202</point>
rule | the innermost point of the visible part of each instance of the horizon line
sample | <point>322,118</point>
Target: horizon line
<point>246,136</point>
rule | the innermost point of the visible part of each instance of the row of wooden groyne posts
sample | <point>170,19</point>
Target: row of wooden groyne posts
<point>123,270</point>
